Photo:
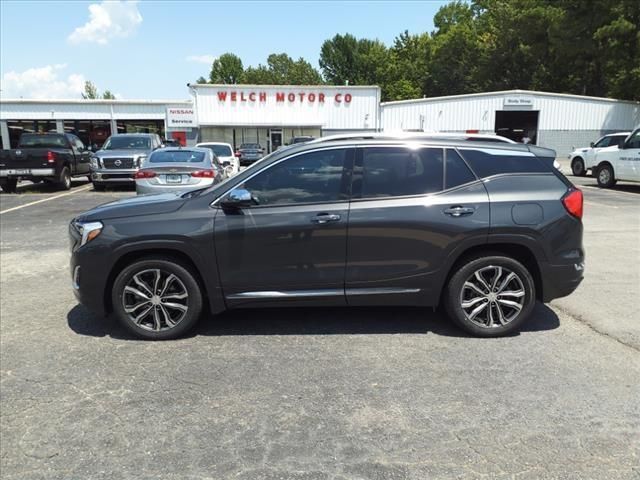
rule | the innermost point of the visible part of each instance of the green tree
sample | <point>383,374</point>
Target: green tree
<point>107,95</point>
<point>227,69</point>
<point>90,91</point>
<point>281,69</point>
<point>201,80</point>
<point>337,59</point>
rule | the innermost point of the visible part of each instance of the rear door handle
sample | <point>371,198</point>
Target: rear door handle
<point>459,211</point>
<point>322,218</point>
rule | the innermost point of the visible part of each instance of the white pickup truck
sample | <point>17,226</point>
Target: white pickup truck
<point>618,162</point>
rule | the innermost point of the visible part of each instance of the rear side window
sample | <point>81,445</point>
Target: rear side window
<point>398,171</point>
<point>457,171</point>
<point>487,162</point>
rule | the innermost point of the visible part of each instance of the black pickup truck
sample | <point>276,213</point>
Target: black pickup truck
<point>52,157</point>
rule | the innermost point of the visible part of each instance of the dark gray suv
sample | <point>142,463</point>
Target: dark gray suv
<point>484,229</point>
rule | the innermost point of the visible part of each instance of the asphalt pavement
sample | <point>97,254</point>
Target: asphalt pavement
<point>383,393</point>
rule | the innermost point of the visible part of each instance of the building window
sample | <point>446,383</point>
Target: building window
<point>141,126</point>
<point>92,132</point>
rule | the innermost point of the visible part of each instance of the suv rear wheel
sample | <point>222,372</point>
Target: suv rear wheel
<point>64,181</point>
<point>490,296</point>
<point>157,298</point>
<point>606,177</point>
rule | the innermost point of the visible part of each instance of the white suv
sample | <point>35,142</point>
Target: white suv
<point>225,155</point>
<point>618,163</point>
<point>582,159</point>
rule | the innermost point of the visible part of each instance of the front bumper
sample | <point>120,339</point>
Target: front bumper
<point>113,176</point>
<point>88,278</point>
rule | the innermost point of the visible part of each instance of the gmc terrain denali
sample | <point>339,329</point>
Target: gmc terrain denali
<point>485,229</point>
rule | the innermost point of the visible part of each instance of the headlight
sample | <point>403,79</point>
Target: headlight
<point>88,231</point>
<point>141,159</point>
<point>94,162</point>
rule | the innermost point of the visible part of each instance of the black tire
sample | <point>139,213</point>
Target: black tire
<point>167,266</point>
<point>456,291</point>
<point>9,185</point>
<point>98,187</point>
<point>606,176</point>
<point>577,167</point>
<point>64,180</point>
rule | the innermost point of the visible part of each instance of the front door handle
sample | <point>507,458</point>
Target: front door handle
<point>459,211</point>
<point>323,218</point>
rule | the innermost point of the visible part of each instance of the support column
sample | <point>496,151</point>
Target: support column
<point>114,127</point>
<point>60,126</point>
<point>4,132</point>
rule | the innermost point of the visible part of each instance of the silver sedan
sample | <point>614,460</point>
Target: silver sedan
<point>178,170</point>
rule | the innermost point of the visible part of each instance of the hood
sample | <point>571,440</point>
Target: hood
<point>135,206</point>
<point>121,153</point>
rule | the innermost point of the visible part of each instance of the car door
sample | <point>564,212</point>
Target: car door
<point>82,155</point>
<point>590,154</point>
<point>291,245</point>
<point>628,164</point>
<point>411,209</point>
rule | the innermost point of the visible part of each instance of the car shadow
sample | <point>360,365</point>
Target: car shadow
<point>312,321</point>
<point>46,187</point>
<point>619,187</point>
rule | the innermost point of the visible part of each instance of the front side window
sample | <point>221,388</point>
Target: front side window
<point>399,171</point>
<point>603,142</point>
<point>314,177</point>
<point>634,140</point>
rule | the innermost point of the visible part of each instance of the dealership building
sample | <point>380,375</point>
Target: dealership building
<point>273,114</point>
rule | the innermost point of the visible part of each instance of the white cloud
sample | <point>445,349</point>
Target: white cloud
<point>108,20</point>
<point>42,83</point>
<point>208,59</point>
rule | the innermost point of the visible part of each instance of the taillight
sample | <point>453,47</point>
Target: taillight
<point>573,202</point>
<point>237,154</point>
<point>145,174</point>
<point>203,174</point>
<point>51,157</point>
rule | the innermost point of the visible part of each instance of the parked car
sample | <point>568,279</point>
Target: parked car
<point>225,155</point>
<point>178,170</point>
<point>301,139</point>
<point>583,159</point>
<point>615,163</point>
<point>484,228</point>
<point>249,153</point>
<point>53,157</point>
<point>120,158</point>
<point>171,142</point>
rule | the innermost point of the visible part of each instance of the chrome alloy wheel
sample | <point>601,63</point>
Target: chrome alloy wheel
<point>492,296</point>
<point>155,300</point>
<point>604,175</point>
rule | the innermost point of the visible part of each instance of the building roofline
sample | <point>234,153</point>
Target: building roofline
<point>241,85</point>
<point>93,101</point>
<point>503,92</point>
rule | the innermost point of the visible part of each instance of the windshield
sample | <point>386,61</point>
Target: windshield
<point>220,150</point>
<point>127,142</point>
<point>42,141</point>
<point>176,156</point>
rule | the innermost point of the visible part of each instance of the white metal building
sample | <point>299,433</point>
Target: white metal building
<point>92,120</point>
<point>554,120</point>
<point>272,114</point>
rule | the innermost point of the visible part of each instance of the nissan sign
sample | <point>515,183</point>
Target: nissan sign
<point>181,118</point>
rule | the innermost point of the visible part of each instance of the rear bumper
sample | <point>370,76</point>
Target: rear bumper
<point>561,280</point>
<point>144,187</point>
<point>27,172</point>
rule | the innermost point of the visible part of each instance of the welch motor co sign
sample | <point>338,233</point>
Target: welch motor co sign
<point>181,117</point>
<point>224,96</point>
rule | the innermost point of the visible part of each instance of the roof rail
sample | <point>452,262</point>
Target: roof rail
<point>411,135</point>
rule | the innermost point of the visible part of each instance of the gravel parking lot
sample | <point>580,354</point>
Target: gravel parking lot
<point>378,393</point>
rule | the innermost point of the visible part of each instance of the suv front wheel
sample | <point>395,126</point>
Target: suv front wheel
<point>157,298</point>
<point>490,296</point>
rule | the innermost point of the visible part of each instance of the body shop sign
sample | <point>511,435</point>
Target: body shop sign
<point>181,117</point>
<point>239,97</point>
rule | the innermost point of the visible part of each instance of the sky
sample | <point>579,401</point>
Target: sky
<point>152,49</point>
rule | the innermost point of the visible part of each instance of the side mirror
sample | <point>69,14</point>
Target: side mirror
<point>89,148</point>
<point>592,144</point>
<point>238,198</point>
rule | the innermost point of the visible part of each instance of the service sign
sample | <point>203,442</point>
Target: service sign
<point>181,118</point>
